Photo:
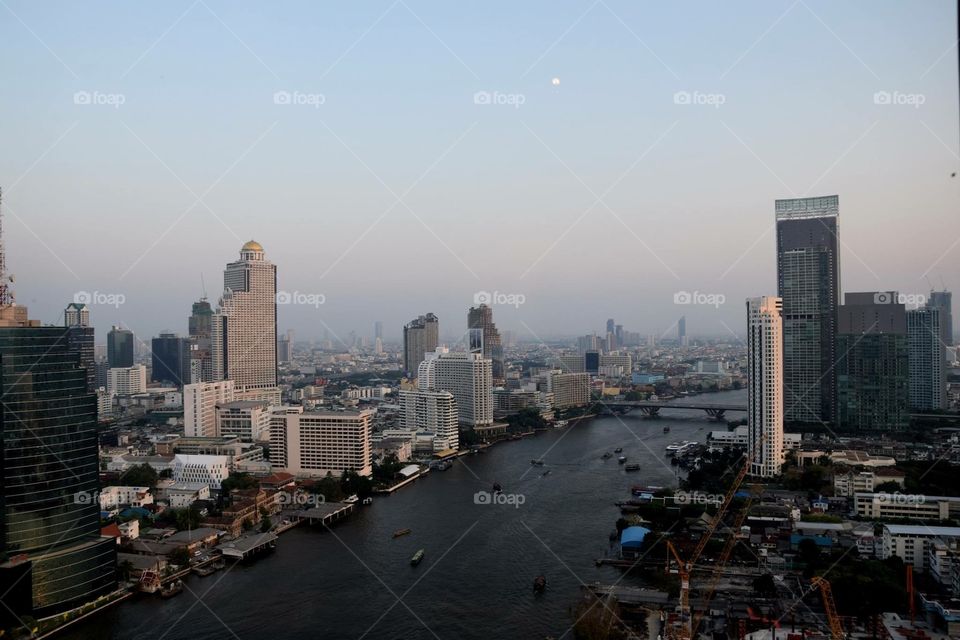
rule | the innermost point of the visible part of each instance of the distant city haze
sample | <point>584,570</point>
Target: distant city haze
<point>571,162</point>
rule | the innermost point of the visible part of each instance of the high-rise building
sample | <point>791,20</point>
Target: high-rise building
<point>434,411</point>
<point>199,327</point>
<point>80,338</point>
<point>927,359</point>
<point>315,443</point>
<point>170,359</point>
<point>481,317</point>
<point>249,420</point>
<point>243,335</point>
<point>420,336</point>
<point>808,282</point>
<point>49,515</point>
<point>127,381</point>
<point>943,300</point>
<point>872,367</point>
<point>569,389</point>
<point>200,402</point>
<point>468,376</point>
<point>765,385</point>
<point>588,343</point>
<point>611,325</point>
<point>378,330</point>
<point>284,349</point>
<point>120,347</point>
<point>682,331</point>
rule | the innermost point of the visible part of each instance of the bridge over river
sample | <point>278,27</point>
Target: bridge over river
<point>653,408</point>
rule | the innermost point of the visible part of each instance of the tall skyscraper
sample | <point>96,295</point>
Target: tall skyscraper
<point>611,325</point>
<point>284,349</point>
<point>682,331</point>
<point>243,335</point>
<point>435,411</point>
<point>120,347</point>
<point>927,359</point>
<point>765,385</point>
<point>80,338</point>
<point>481,317</point>
<point>199,327</point>
<point>170,356</point>
<point>943,300</point>
<point>468,376</point>
<point>872,368</point>
<point>420,336</point>
<point>808,282</point>
<point>200,402</point>
<point>378,330</point>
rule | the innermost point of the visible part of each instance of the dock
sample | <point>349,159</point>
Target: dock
<point>324,514</point>
<point>630,596</point>
<point>248,546</point>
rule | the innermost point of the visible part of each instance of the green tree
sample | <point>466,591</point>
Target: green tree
<point>141,475</point>
<point>238,481</point>
<point>266,524</point>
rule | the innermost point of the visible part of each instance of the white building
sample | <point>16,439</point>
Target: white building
<point>182,494</point>
<point>911,543</point>
<point>890,506</point>
<point>849,484</point>
<point>765,384</point>
<point>200,402</point>
<point>467,376</point>
<point>569,389</point>
<point>249,420</point>
<point>740,438</point>
<point>208,470</point>
<point>125,381</point>
<point>104,404</point>
<point>365,393</point>
<point>243,335</point>
<point>112,498</point>
<point>320,442</point>
<point>434,411</point>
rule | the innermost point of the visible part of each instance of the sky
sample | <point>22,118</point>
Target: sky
<point>574,160</point>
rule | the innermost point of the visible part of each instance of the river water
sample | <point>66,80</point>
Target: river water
<point>475,581</point>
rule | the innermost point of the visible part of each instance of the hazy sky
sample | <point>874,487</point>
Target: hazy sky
<point>622,152</point>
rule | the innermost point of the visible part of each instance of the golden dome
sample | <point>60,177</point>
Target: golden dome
<point>252,246</point>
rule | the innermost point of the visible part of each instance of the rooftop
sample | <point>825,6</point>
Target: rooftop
<point>910,529</point>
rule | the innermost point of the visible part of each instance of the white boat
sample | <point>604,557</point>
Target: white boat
<point>678,448</point>
<point>352,499</point>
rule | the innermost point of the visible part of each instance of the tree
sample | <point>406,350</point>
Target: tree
<point>890,486</point>
<point>185,519</point>
<point>140,475</point>
<point>179,556</point>
<point>238,481</point>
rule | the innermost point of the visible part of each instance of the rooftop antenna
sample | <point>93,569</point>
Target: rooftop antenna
<point>203,286</point>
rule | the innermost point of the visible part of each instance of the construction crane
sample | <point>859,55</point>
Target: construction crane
<point>836,629</point>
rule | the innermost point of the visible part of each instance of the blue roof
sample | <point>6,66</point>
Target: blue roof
<point>633,536</point>
<point>821,541</point>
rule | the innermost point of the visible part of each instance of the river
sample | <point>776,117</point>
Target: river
<point>475,581</point>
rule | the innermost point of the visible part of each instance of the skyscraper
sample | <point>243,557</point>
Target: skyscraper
<point>682,331</point>
<point>872,368</point>
<point>80,338</point>
<point>420,336</point>
<point>481,317</point>
<point>170,359</point>
<point>808,282</point>
<point>927,359</point>
<point>378,330</point>
<point>429,410</point>
<point>243,335</point>
<point>120,347</point>
<point>943,300</point>
<point>765,385</point>
<point>468,376</point>
<point>199,328</point>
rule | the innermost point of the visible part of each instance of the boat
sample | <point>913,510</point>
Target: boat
<point>632,467</point>
<point>560,424</point>
<point>607,455</point>
<point>352,499</point>
<point>401,532</point>
<point>171,589</point>
<point>417,557</point>
<point>539,584</point>
<point>622,459</point>
<point>618,450</point>
<point>219,564</point>
<point>681,447</point>
<point>537,463</point>
<point>205,570</point>
<point>545,473</point>
<point>666,429</point>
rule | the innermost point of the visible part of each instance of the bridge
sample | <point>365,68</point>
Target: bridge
<point>653,408</point>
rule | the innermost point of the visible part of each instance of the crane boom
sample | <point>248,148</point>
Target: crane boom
<point>836,629</point>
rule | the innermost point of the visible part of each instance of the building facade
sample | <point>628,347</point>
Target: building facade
<point>126,381</point>
<point>315,443</point>
<point>927,359</point>
<point>434,411</point>
<point>420,336</point>
<point>249,420</point>
<point>170,359</point>
<point>200,402</point>
<point>569,389</point>
<point>467,376</point>
<point>120,348</point>
<point>765,409</point>
<point>480,318</point>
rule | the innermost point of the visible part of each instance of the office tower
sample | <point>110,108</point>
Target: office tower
<point>200,402</point>
<point>468,376</point>
<point>49,515</point>
<point>80,338</point>
<point>611,325</point>
<point>481,317</point>
<point>591,362</point>
<point>120,347</point>
<point>378,330</point>
<point>199,327</point>
<point>927,359</point>
<point>170,359</point>
<point>284,349</point>
<point>943,300</point>
<point>378,346</point>
<point>243,335</point>
<point>315,443</point>
<point>434,411</point>
<point>765,385</point>
<point>618,332</point>
<point>808,282</point>
<point>102,373</point>
<point>249,420</point>
<point>572,363</point>
<point>682,331</point>
<point>127,381</point>
<point>569,389</point>
<point>420,336</point>
<point>872,368</point>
